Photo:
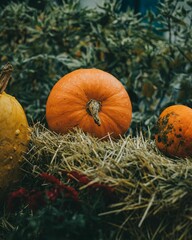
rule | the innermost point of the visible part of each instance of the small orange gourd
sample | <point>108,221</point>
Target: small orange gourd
<point>14,133</point>
<point>92,100</point>
<point>174,131</point>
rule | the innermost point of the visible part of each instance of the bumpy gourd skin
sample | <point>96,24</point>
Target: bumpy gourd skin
<point>14,138</point>
<point>174,131</point>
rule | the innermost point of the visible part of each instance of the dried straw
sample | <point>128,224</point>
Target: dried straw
<point>154,191</point>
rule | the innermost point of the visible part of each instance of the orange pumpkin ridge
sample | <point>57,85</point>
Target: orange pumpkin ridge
<point>174,131</point>
<point>92,100</point>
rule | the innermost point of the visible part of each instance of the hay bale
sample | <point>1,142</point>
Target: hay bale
<point>154,191</point>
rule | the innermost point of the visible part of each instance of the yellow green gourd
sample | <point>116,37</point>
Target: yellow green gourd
<point>14,133</point>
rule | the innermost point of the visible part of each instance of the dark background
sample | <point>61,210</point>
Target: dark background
<point>138,5</point>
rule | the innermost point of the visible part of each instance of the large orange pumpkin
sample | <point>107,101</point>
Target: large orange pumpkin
<point>174,131</point>
<point>92,100</point>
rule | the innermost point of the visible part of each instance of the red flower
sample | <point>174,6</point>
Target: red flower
<point>21,192</point>
<point>16,199</point>
<point>59,189</point>
<point>79,177</point>
<point>62,191</point>
<point>52,194</point>
<point>70,192</point>
<point>36,200</point>
<point>50,178</point>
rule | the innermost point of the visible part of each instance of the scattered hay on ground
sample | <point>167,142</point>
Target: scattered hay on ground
<point>154,191</point>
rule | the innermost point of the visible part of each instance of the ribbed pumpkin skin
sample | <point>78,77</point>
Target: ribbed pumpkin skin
<point>14,138</point>
<point>174,131</point>
<point>66,104</point>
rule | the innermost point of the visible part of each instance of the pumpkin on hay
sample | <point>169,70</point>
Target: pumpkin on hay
<point>92,100</point>
<point>174,131</point>
<point>14,132</point>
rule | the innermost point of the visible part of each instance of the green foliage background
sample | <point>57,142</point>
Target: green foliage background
<point>151,54</point>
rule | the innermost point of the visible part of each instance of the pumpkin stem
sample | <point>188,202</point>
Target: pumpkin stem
<point>93,107</point>
<point>5,76</point>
